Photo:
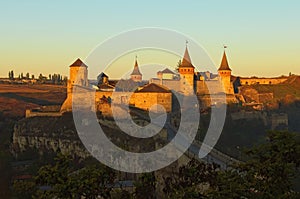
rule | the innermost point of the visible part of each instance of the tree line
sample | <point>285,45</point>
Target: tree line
<point>52,78</point>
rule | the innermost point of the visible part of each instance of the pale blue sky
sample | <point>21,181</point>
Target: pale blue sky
<point>46,36</point>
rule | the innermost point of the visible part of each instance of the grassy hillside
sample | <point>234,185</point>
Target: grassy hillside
<point>280,91</point>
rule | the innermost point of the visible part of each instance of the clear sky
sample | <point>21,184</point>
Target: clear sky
<point>263,37</point>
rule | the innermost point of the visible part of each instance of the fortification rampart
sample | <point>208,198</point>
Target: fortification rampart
<point>256,80</point>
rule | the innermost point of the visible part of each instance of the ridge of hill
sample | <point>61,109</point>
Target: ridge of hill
<point>293,80</point>
<point>289,87</point>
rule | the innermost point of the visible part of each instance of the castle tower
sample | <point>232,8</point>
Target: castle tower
<point>136,75</point>
<point>186,71</point>
<point>78,76</point>
<point>225,75</point>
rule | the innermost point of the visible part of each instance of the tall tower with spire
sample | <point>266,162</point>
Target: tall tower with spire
<point>186,71</point>
<point>224,72</point>
<point>136,75</point>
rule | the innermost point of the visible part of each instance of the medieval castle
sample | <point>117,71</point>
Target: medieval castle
<point>158,90</point>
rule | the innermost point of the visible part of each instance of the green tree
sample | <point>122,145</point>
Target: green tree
<point>57,177</point>
<point>11,74</point>
<point>122,194</point>
<point>191,180</point>
<point>67,182</point>
<point>268,172</point>
<point>24,189</point>
<point>94,181</point>
<point>145,186</point>
<point>178,65</point>
<point>41,76</point>
<point>65,80</point>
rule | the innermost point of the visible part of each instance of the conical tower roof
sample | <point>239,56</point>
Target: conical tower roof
<point>224,63</point>
<point>78,63</point>
<point>136,70</point>
<point>186,61</point>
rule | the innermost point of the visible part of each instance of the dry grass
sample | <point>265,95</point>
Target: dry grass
<point>36,88</point>
<point>15,99</point>
<point>280,91</point>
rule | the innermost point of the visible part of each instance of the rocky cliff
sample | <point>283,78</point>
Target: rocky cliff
<point>47,133</point>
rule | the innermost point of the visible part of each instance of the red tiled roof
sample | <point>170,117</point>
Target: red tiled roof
<point>186,61</point>
<point>154,88</point>
<point>136,70</point>
<point>78,63</point>
<point>224,63</point>
<point>167,71</point>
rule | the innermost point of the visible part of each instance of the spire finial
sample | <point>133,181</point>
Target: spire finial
<point>136,63</point>
<point>186,42</point>
<point>186,61</point>
<point>224,46</point>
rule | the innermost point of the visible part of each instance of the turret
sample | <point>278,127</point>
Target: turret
<point>136,75</point>
<point>225,75</point>
<point>186,71</point>
<point>78,75</point>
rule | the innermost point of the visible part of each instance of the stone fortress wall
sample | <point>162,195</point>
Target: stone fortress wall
<point>103,100</point>
<point>44,111</point>
<point>169,83</point>
<point>257,80</point>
